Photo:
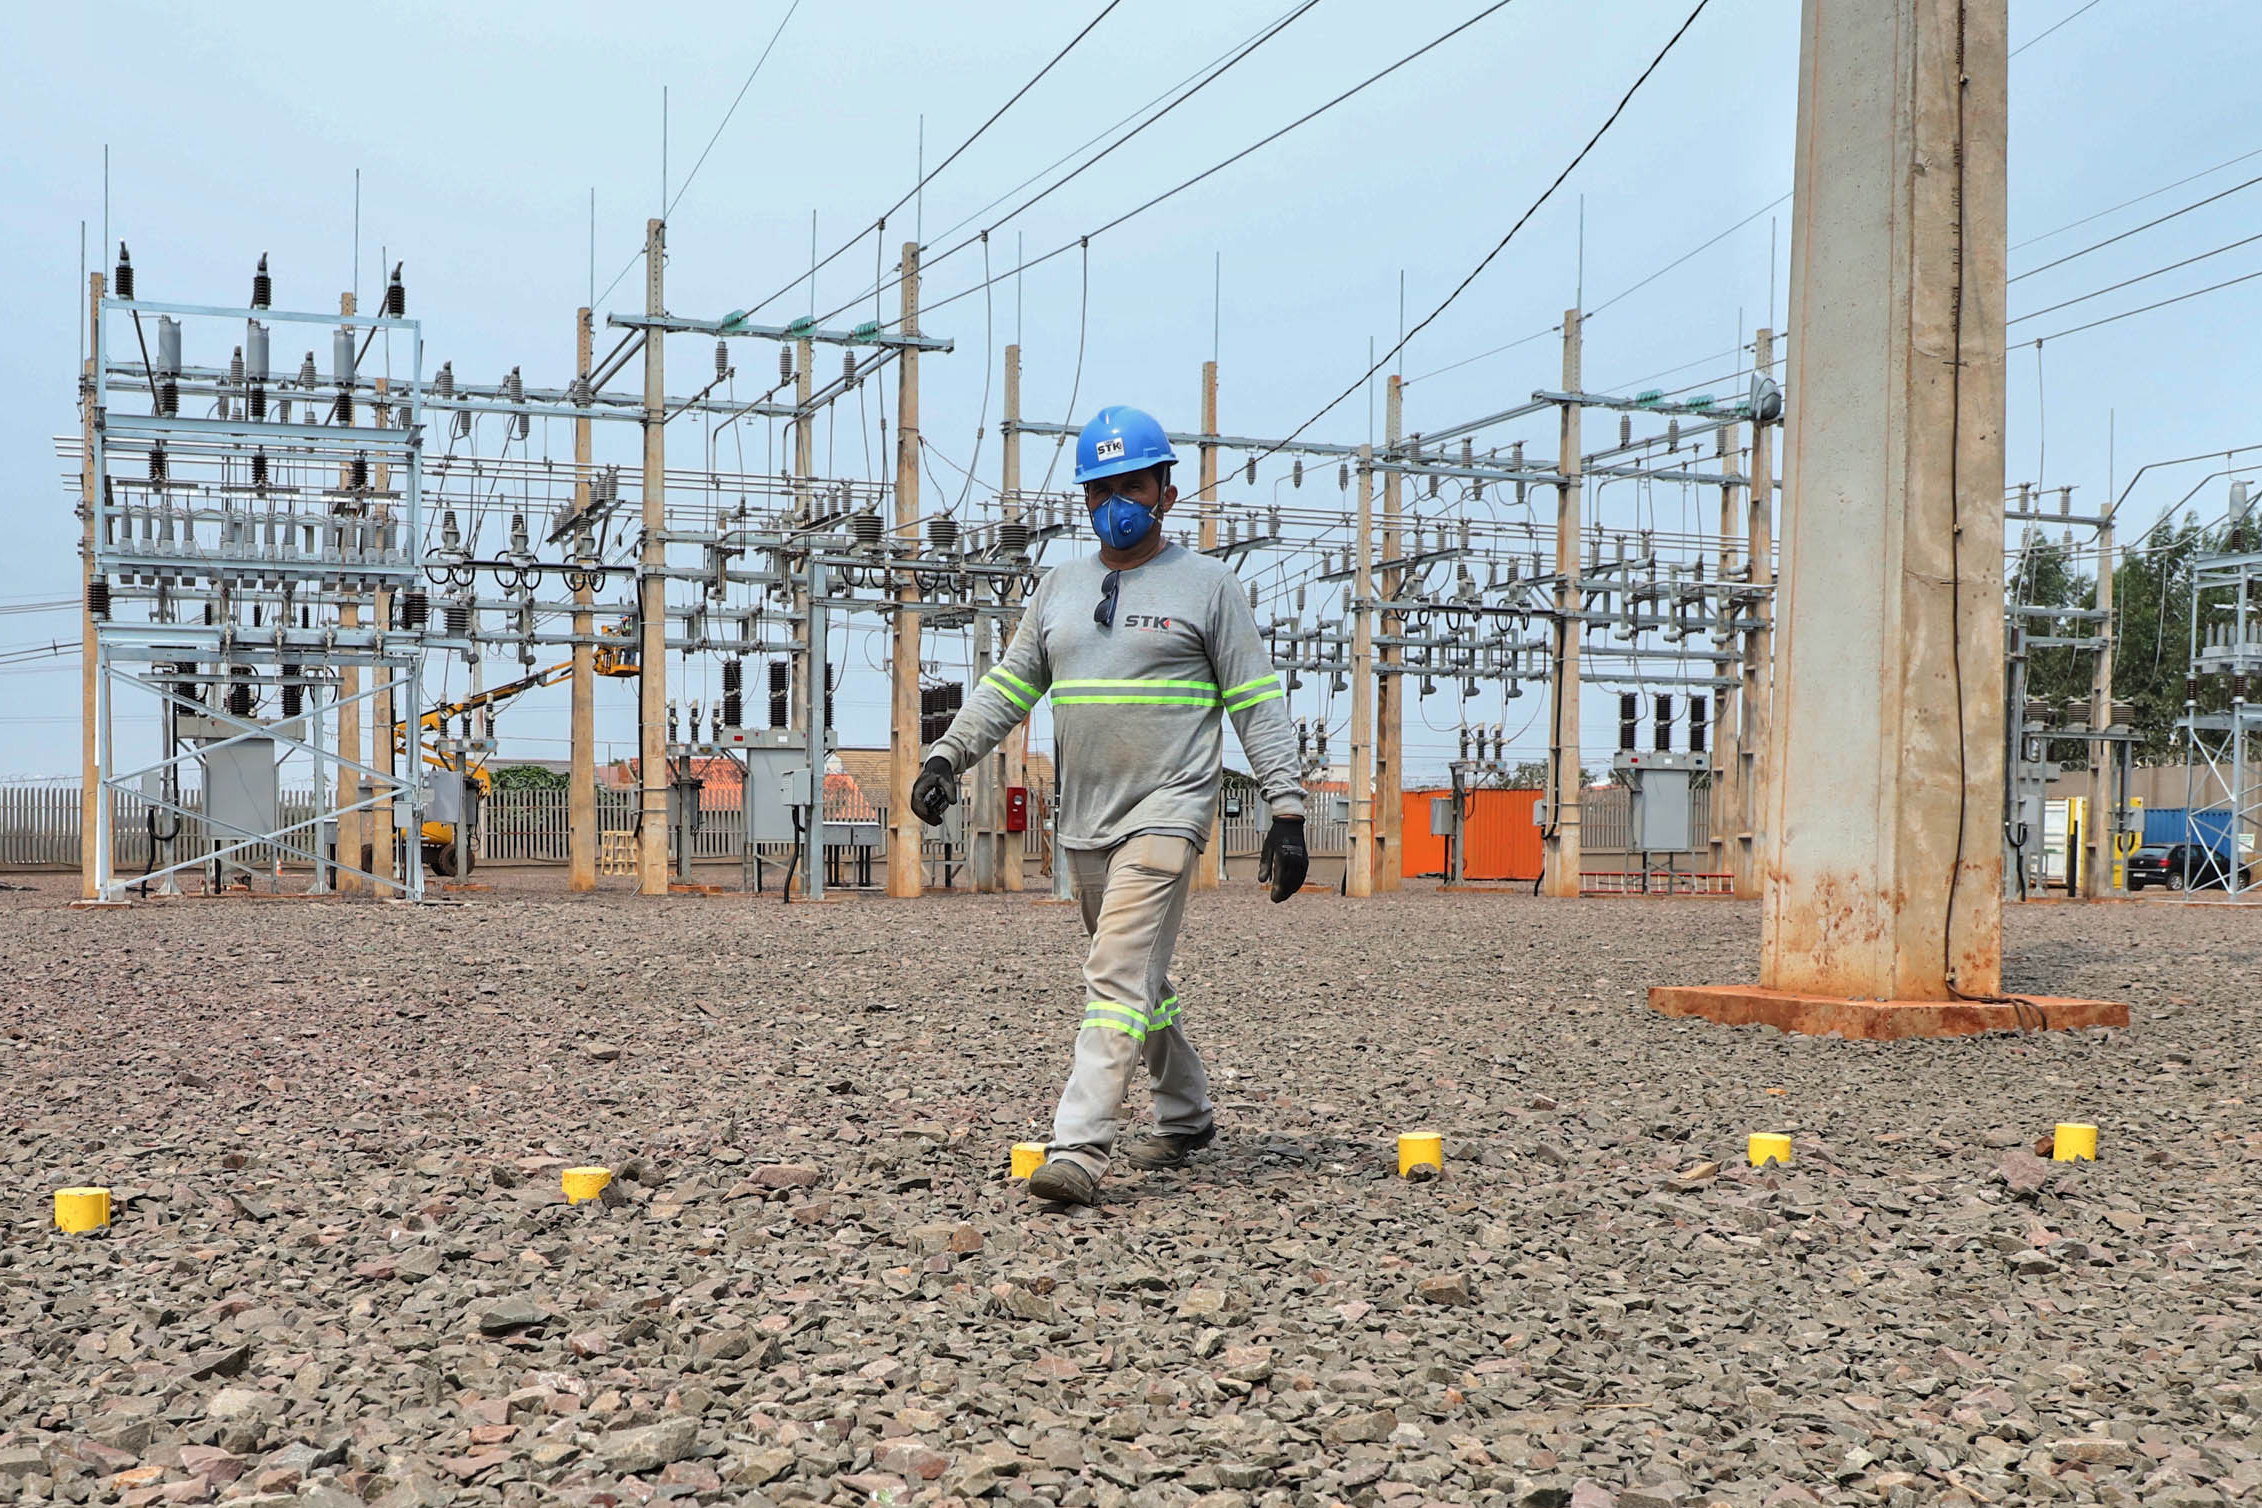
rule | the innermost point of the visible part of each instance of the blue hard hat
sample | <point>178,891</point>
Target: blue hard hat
<point>1120,439</point>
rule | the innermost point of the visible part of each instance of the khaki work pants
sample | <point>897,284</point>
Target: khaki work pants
<point>1133,897</point>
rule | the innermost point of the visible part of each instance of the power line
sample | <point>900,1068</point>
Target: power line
<point>1258,41</point>
<point>1545,194</point>
<point>2038,36</point>
<point>1088,142</point>
<point>1208,172</point>
<point>669,210</point>
<point>929,177</point>
<point>1677,261</point>
<point>669,213</point>
<point>2147,225</point>
<point>2139,199</point>
<point>2140,277</point>
<point>2148,308</point>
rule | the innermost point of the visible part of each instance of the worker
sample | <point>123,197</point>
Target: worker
<point>1144,650</point>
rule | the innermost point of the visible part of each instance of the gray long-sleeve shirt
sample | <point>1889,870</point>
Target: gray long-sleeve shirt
<point>1136,707</point>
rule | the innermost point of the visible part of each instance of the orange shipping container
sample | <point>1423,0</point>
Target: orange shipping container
<point>1503,843</point>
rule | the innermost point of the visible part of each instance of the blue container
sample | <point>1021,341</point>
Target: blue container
<point>2167,825</point>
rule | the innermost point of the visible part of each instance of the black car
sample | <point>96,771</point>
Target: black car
<point>2181,866</point>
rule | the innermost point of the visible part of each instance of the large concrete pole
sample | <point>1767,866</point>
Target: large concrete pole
<point>1884,868</point>
<point>906,870</point>
<point>652,588</point>
<point>1390,690</point>
<point>1560,861</point>
<point>581,779</point>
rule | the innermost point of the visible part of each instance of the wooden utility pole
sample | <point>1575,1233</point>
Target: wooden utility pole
<point>906,868</point>
<point>2097,868</point>
<point>1759,644</point>
<point>1358,880</point>
<point>90,664</point>
<point>581,779</point>
<point>352,825</point>
<point>1727,766</point>
<point>798,668</point>
<point>1561,862</point>
<point>1014,752</point>
<point>1211,863</point>
<point>381,734</point>
<point>1390,689</point>
<point>652,588</point>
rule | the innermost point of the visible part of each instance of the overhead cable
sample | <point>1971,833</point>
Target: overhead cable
<point>1211,171</point>
<point>2133,230</point>
<point>956,152</point>
<point>1502,245</point>
<point>2140,277</point>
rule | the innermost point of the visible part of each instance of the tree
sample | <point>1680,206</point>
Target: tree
<point>528,777</point>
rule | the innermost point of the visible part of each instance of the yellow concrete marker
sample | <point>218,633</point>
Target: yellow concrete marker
<point>585,1184</point>
<point>1421,1149</point>
<point>1769,1146</point>
<point>2072,1142</point>
<point>82,1209</point>
<point>1028,1156</point>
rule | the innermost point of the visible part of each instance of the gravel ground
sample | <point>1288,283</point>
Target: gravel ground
<point>341,1269</point>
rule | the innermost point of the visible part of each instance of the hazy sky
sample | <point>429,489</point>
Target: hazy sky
<point>479,133</point>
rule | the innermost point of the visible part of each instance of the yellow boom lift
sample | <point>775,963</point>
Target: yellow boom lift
<point>448,851</point>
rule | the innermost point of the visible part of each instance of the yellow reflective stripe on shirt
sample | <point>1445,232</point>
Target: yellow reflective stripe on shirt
<point>1263,680</point>
<point>1179,701</point>
<point>1150,692</point>
<point>1265,695</point>
<point>1006,687</point>
<point>1136,684</point>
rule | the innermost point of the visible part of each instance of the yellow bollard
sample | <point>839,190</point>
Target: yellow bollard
<point>1028,1156</point>
<point>1421,1149</point>
<point>585,1184</point>
<point>1769,1146</point>
<point>82,1209</point>
<point>2072,1142</point>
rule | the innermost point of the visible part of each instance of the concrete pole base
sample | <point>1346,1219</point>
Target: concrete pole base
<point>1880,1020</point>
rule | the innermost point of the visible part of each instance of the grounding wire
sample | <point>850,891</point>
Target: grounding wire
<point>1487,260</point>
<point>682,188</point>
<point>1076,384</point>
<point>1218,167</point>
<point>879,225</point>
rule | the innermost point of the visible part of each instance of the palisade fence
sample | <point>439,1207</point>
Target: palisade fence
<point>39,827</point>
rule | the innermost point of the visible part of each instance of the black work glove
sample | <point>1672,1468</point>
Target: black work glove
<point>1284,860</point>
<point>934,791</point>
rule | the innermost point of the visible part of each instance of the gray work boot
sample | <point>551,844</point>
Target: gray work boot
<point>1063,1182</point>
<point>1165,1149</point>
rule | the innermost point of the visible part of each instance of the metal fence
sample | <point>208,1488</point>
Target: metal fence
<point>39,827</point>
